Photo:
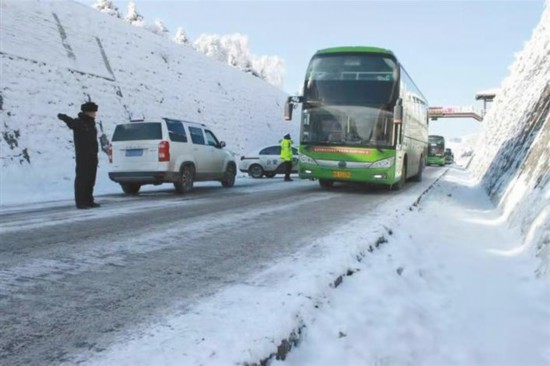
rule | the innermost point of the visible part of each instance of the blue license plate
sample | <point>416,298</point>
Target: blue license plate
<point>134,152</point>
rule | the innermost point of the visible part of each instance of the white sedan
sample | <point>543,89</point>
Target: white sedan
<point>266,161</point>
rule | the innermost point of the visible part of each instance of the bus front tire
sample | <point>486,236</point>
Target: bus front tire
<point>399,185</point>
<point>326,183</point>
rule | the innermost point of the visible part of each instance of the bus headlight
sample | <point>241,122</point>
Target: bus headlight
<point>385,163</point>
<point>307,160</point>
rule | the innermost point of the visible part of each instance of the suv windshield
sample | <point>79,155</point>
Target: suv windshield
<point>138,131</point>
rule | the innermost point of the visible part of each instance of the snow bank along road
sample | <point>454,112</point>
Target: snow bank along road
<point>72,280</point>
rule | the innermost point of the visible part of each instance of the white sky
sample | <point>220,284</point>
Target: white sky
<point>452,286</point>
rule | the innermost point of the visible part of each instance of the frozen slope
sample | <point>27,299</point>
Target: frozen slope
<point>513,154</point>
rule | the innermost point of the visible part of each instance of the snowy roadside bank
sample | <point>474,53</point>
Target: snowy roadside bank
<point>454,286</point>
<point>450,285</point>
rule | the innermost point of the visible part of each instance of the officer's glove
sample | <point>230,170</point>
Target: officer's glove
<point>62,116</point>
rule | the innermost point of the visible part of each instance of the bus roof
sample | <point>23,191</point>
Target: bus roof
<point>356,49</point>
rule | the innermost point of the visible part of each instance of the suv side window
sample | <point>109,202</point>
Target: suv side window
<point>176,132</point>
<point>211,139</point>
<point>272,150</point>
<point>196,135</point>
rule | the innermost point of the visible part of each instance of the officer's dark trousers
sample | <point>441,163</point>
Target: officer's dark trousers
<point>288,169</point>
<point>86,170</point>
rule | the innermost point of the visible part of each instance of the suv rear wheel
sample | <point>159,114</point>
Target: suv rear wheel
<point>130,188</point>
<point>229,176</point>
<point>185,179</point>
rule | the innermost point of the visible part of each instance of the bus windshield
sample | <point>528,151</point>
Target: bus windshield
<point>436,145</point>
<point>357,79</point>
<point>347,126</point>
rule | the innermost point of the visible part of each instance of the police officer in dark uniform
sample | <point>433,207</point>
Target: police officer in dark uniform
<point>86,149</point>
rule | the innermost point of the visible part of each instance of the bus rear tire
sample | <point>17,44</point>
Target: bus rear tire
<point>326,183</point>
<point>418,176</point>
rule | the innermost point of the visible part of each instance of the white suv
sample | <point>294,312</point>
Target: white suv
<point>168,150</point>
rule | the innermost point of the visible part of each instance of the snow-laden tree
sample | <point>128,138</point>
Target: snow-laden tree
<point>210,45</point>
<point>107,7</point>
<point>237,51</point>
<point>158,28</point>
<point>180,37</point>
<point>271,69</point>
<point>233,49</point>
<point>133,17</point>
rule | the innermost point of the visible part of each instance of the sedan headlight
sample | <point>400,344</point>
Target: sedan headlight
<point>385,163</point>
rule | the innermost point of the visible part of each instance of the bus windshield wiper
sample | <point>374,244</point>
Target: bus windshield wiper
<point>377,146</point>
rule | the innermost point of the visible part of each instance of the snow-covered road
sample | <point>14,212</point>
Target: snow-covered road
<point>73,281</point>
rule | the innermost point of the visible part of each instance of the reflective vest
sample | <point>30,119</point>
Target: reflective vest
<point>286,150</point>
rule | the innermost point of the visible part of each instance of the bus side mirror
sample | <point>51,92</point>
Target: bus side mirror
<point>289,106</point>
<point>398,112</point>
<point>398,122</point>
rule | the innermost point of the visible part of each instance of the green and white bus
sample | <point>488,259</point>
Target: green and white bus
<point>363,119</point>
<point>436,150</point>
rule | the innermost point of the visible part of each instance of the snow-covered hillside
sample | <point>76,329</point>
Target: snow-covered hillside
<point>512,157</point>
<point>56,55</point>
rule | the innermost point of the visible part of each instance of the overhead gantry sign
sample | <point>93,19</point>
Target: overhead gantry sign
<point>453,112</point>
<point>464,112</point>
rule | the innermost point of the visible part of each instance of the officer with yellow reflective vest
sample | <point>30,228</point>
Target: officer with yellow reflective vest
<point>286,156</point>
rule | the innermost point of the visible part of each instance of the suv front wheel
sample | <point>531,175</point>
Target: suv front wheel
<point>184,182</point>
